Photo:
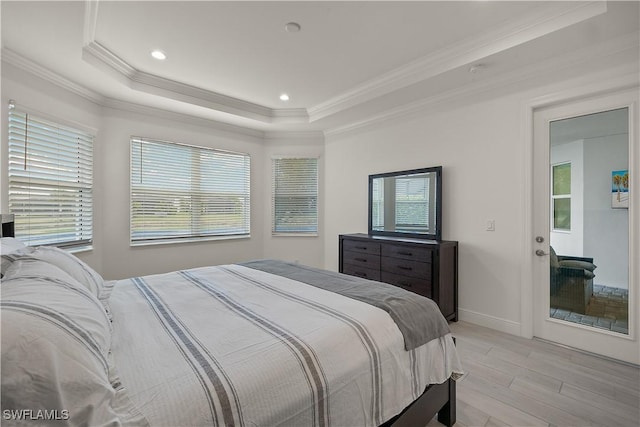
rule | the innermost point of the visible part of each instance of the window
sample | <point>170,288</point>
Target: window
<point>50,181</point>
<point>377,204</point>
<point>412,203</point>
<point>401,203</point>
<point>295,196</point>
<point>561,196</point>
<point>183,192</point>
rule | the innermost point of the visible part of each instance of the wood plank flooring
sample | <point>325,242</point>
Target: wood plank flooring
<point>512,381</point>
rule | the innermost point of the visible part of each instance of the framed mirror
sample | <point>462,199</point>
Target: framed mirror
<point>406,203</point>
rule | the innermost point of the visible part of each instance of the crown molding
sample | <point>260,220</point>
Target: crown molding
<point>102,58</point>
<point>105,60</point>
<point>465,52</point>
<point>290,115</point>
<point>299,136</point>
<point>131,107</point>
<point>90,21</point>
<point>628,43</point>
<point>13,58</point>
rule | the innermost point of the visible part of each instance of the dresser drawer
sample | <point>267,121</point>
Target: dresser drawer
<point>361,246</point>
<point>360,271</point>
<point>361,259</point>
<point>420,286</point>
<point>408,252</point>
<point>406,267</point>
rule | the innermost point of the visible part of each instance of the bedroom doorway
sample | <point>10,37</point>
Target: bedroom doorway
<point>583,224</point>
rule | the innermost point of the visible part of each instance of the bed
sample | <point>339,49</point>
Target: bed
<point>259,343</point>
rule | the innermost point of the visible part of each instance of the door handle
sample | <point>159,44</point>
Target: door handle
<point>540,252</point>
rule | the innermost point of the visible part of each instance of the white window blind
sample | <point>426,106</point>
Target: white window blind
<point>295,195</point>
<point>50,181</point>
<point>412,202</point>
<point>184,192</point>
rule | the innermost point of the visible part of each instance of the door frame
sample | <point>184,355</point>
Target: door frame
<point>594,89</point>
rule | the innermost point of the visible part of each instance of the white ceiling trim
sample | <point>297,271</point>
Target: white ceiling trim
<point>23,63</point>
<point>628,43</point>
<point>465,52</point>
<point>182,118</point>
<point>309,137</point>
<point>12,58</point>
<point>102,58</point>
<point>451,57</point>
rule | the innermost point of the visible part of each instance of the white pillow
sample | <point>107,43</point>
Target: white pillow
<point>42,282</point>
<point>10,249</point>
<point>72,265</point>
<point>9,245</point>
<point>55,343</point>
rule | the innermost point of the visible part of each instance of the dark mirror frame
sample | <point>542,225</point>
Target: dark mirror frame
<point>438,199</point>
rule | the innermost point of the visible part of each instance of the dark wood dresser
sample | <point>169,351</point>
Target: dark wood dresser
<point>426,267</point>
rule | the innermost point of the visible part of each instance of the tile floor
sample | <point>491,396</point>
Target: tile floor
<point>513,381</point>
<point>608,309</point>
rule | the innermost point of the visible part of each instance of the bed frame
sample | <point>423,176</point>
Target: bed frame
<point>437,398</point>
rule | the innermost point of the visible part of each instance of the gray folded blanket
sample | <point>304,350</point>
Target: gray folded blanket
<point>418,318</point>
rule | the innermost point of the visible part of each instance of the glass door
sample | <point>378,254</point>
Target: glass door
<point>584,290</point>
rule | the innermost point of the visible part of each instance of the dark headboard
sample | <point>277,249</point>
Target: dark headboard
<point>8,229</point>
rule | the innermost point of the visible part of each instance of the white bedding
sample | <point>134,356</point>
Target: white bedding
<point>231,345</point>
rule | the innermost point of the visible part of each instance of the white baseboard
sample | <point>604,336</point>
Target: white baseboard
<point>492,322</point>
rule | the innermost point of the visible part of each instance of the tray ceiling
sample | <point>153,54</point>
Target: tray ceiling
<point>230,61</point>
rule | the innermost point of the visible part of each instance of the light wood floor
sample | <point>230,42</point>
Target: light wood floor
<point>512,381</point>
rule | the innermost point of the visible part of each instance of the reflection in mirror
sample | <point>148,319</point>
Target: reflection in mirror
<point>406,203</point>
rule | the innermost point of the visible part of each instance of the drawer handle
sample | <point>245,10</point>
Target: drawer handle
<point>402,267</point>
<point>359,274</point>
<point>364,248</point>
<point>360,259</point>
<point>405,253</point>
<point>408,285</point>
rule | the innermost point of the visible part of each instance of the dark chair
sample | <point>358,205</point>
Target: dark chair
<point>571,284</point>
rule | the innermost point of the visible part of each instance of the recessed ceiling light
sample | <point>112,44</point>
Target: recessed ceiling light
<point>292,27</point>
<point>159,55</point>
<point>284,97</point>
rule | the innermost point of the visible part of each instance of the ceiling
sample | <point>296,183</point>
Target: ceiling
<point>590,126</point>
<point>350,63</point>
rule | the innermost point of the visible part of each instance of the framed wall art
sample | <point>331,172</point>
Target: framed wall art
<point>620,189</point>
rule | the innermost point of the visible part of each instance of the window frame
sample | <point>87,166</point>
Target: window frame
<point>315,196</point>
<point>563,196</point>
<point>84,174</point>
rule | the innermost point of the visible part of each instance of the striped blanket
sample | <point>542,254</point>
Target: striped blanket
<point>231,345</point>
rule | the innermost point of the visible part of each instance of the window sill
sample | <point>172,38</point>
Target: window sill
<point>79,249</point>
<point>186,240</point>
<point>281,234</point>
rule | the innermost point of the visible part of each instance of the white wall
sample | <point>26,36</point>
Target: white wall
<point>606,229</point>
<point>112,256</point>
<point>309,250</point>
<point>480,149</point>
<point>125,261</point>
<point>40,97</point>
<point>481,142</point>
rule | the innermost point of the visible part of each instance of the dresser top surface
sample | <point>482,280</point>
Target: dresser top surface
<point>393,239</point>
